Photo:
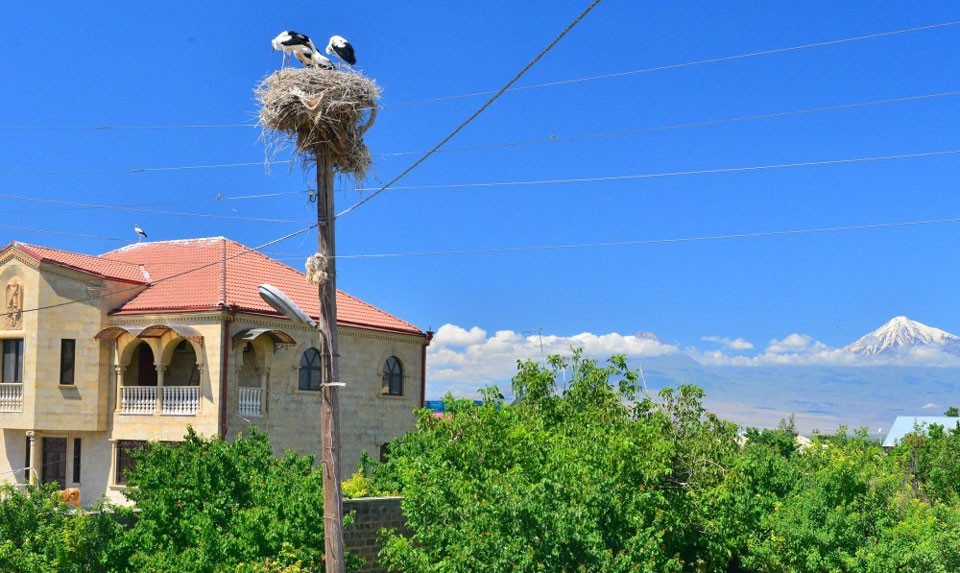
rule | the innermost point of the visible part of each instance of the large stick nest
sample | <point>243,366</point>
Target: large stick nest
<point>314,108</point>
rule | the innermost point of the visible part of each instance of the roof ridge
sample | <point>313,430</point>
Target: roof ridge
<point>142,244</point>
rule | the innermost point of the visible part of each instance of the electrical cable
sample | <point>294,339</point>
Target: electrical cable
<point>65,233</point>
<point>761,234</point>
<point>708,123</point>
<point>142,169</point>
<point>673,173</point>
<point>686,64</point>
<point>143,210</point>
<point>475,114</point>
<point>518,88</point>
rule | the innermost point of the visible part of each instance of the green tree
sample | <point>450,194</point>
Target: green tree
<point>39,533</point>
<point>587,476</point>
<point>207,505</point>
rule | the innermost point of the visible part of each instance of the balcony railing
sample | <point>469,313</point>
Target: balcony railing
<point>174,400</point>
<point>138,399</point>
<point>180,400</point>
<point>11,397</point>
<point>250,403</point>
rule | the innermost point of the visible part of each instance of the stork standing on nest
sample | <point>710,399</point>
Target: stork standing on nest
<point>302,48</point>
<point>342,48</point>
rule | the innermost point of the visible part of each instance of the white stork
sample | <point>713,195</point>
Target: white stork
<point>289,42</point>
<point>312,58</point>
<point>141,234</point>
<point>341,47</point>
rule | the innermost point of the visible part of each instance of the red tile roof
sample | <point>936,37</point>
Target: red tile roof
<point>202,274</point>
<point>118,270</point>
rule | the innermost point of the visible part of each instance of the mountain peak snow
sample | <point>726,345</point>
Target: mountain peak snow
<point>900,334</point>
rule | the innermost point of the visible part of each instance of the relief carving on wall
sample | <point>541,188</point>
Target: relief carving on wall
<point>14,304</point>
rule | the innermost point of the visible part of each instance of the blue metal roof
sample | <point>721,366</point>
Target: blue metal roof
<point>904,425</point>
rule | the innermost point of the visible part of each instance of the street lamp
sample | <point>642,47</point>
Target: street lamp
<point>330,414</point>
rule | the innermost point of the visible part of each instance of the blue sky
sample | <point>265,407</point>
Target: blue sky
<point>185,63</point>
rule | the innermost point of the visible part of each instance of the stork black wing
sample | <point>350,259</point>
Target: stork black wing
<point>297,39</point>
<point>345,52</point>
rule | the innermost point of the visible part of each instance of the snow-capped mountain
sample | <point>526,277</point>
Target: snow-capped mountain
<point>901,334</point>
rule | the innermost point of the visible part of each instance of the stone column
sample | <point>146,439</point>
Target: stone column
<point>32,476</point>
<point>161,371</point>
<point>119,371</point>
<point>262,381</point>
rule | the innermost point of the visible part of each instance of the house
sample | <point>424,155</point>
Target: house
<point>904,425</point>
<point>103,353</point>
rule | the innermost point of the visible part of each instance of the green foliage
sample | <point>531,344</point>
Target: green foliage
<point>953,412</point>
<point>357,485</point>
<point>586,477</point>
<point>207,505</point>
<point>41,534</point>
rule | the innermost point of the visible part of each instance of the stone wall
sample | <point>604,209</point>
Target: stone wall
<point>371,515</point>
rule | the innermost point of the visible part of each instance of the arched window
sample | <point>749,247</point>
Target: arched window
<point>392,382</point>
<point>311,367</point>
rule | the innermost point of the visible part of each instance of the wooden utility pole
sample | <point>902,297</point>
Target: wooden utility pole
<point>330,410</point>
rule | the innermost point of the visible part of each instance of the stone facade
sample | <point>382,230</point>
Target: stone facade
<point>148,376</point>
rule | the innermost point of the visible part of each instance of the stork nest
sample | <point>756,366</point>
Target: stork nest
<point>320,110</point>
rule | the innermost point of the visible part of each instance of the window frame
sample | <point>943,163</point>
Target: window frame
<point>312,369</point>
<point>18,356</point>
<point>124,460</point>
<point>72,370</point>
<point>391,381</point>
<point>77,452</point>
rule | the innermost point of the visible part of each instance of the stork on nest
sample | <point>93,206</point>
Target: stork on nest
<point>314,106</point>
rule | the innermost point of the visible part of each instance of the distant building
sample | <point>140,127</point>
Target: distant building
<point>102,353</point>
<point>904,425</point>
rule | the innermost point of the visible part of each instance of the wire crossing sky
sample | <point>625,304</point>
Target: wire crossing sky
<point>646,122</point>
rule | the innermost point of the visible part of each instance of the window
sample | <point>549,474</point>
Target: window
<point>392,383</point>
<point>76,460</point>
<point>54,461</point>
<point>13,361</point>
<point>26,462</point>
<point>311,370</point>
<point>68,353</point>
<point>125,461</point>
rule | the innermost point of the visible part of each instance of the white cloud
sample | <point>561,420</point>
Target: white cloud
<point>461,361</point>
<point>794,344</point>
<point>732,344</point>
<point>453,335</point>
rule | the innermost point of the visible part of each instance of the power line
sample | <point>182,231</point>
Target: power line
<point>708,123</point>
<point>175,275</point>
<point>79,235</point>
<point>475,114</point>
<point>756,235</point>
<point>122,127</point>
<point>144,169</point>
<point>143,210</point>
<point>686,64</point>
<point>518,88</point>
<point>674,173</point>
<point>551,139</point>
<point>187,202</point>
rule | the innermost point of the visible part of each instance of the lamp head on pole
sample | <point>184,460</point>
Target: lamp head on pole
<point>282,304</point>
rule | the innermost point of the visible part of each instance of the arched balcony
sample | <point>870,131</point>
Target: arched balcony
<point>158,369</point>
